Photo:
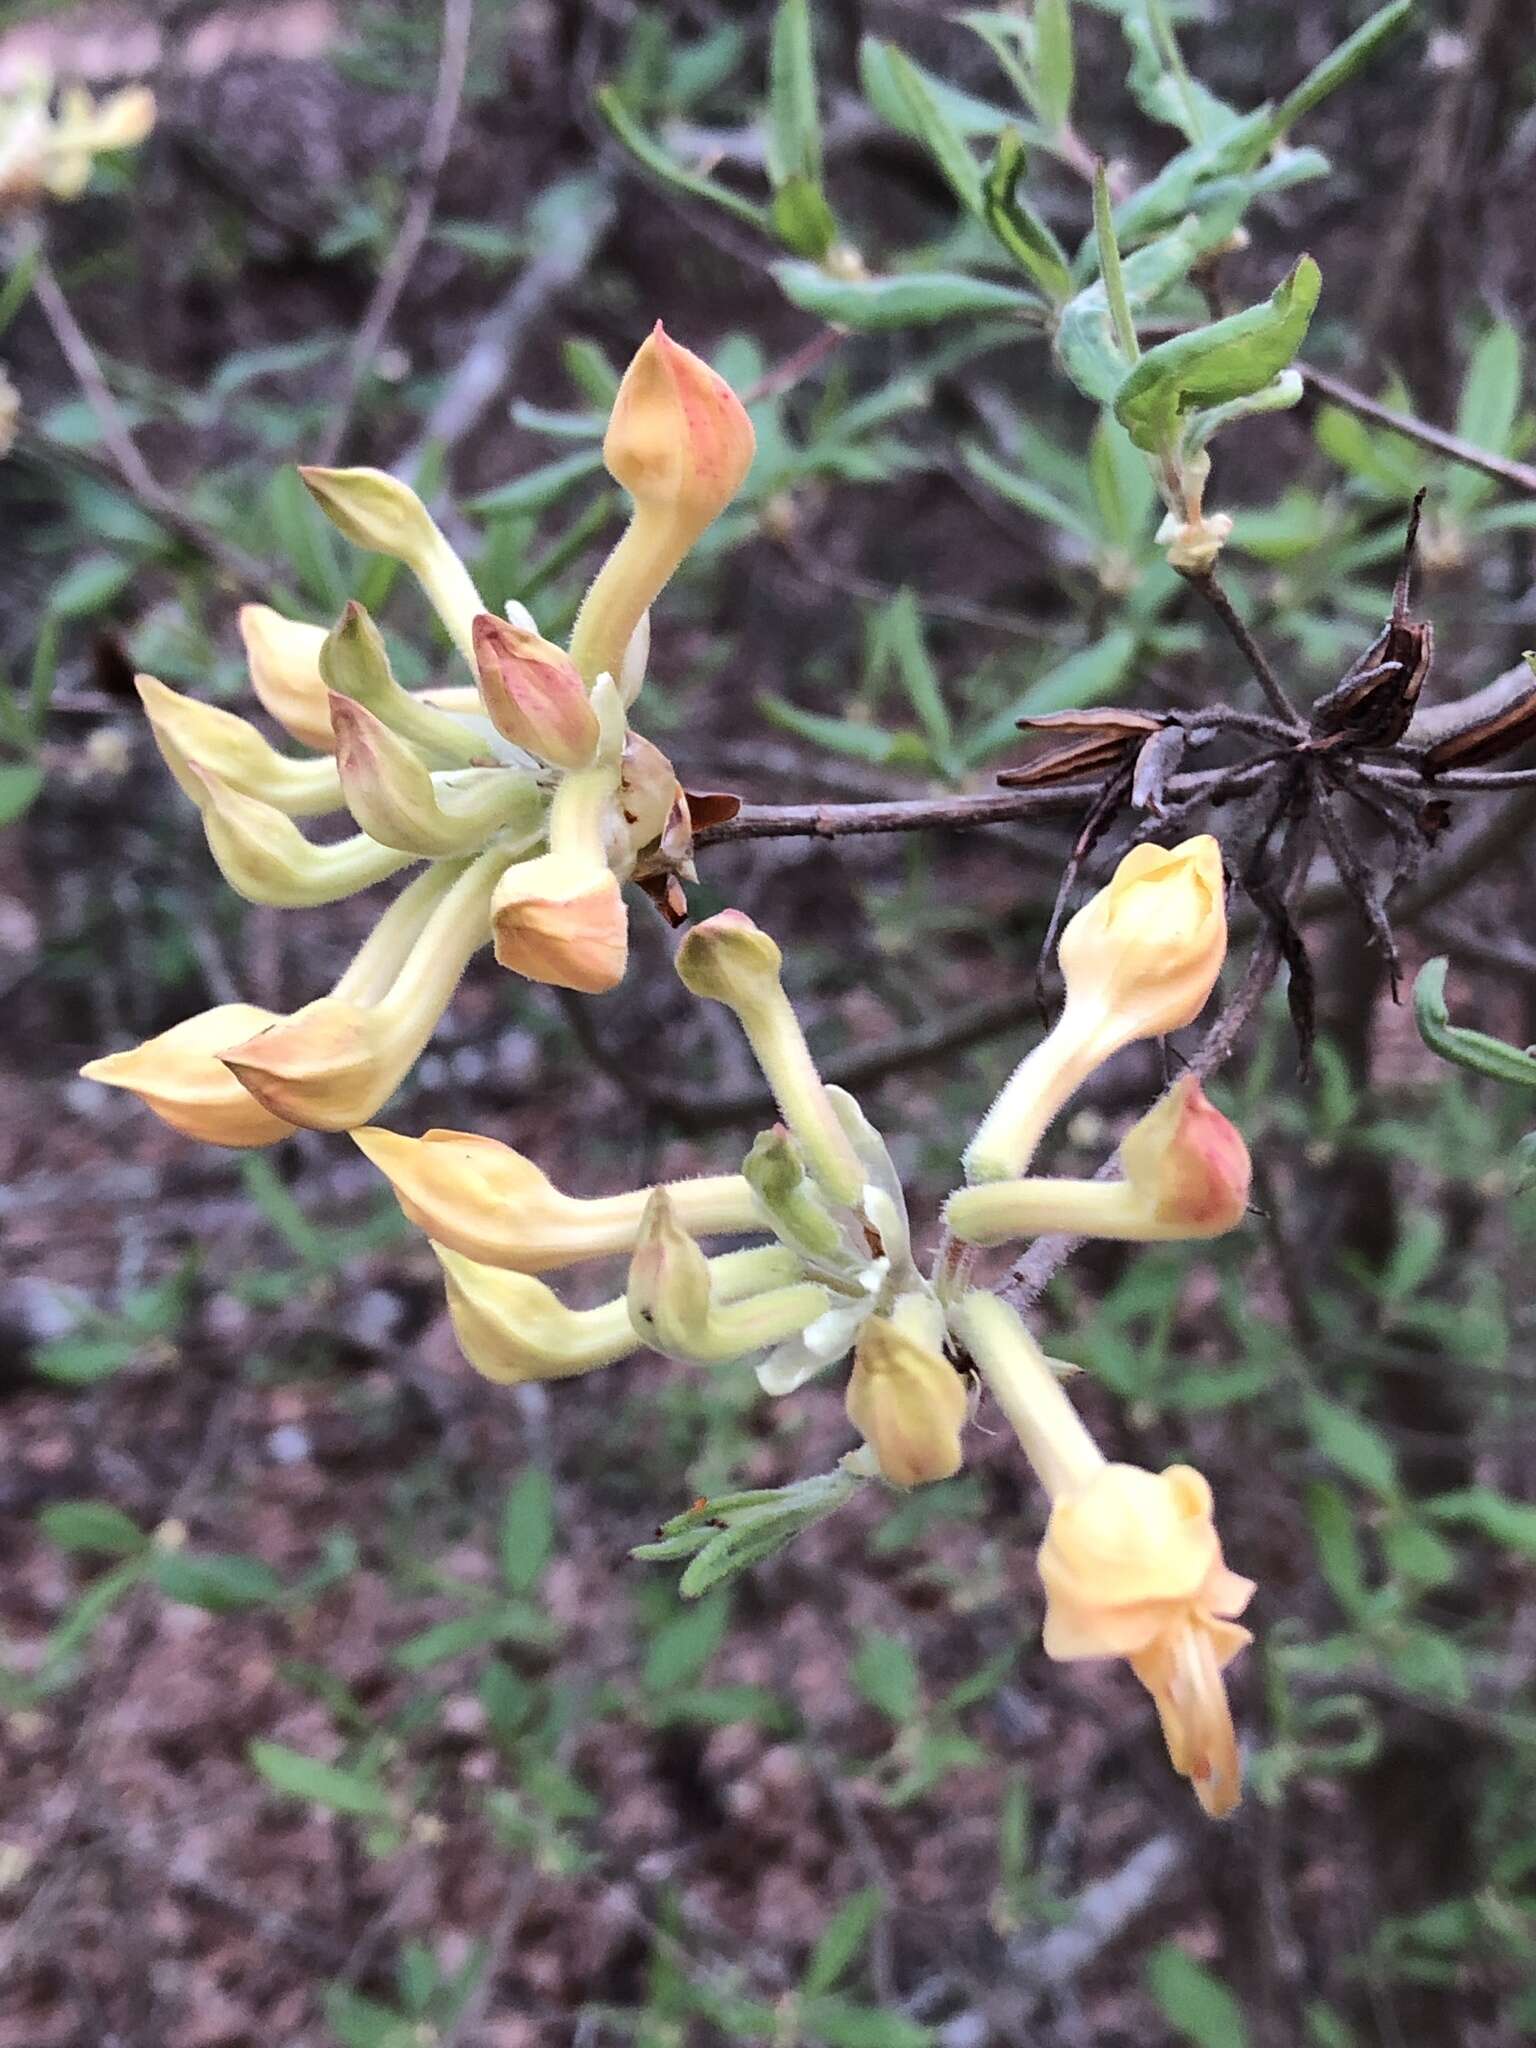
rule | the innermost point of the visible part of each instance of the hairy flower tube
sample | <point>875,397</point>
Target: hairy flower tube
<point>47,145</point>
<point>1139,959</point>
<point>1187,1174</point>
<point>521,787</point>
<point>1131,1563</point>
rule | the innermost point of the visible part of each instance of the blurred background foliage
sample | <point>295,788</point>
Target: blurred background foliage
<point>334,1710</point>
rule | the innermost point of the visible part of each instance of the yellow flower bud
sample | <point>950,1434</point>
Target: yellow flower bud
<point>1139,959</point>
<point>355,663</point>
<point>187,730</point>
<point>513,1328</point>
<point>284,660</point>
<point>561,920</point>
<point>680,443</point>
<point>676,1307</point>
<point>398,801</point>
<point>1187,1175</point>
<point>378,512</point>
<point>1149,946</point>
<point>1132,1567</point>
<point>264,856</point>
<point>180,1076</point>
<point>334,1064</point>
<point>534,694</point>
<point>484,1200</point>
<point>908,1403</point>
<point>730,960</point>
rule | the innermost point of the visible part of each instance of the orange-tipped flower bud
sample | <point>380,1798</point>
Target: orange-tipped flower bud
<point>180,1075</point>
<point>1140,959</point>
<point>680,443</point>
<point>561,920</point>
<point>534,693</point>
<point>1188,1164</point>
<point>678,437</point>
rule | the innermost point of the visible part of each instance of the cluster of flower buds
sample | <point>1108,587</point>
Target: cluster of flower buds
<point>1131,1563</point>
<point>523,789</point>
<point>48,144</point>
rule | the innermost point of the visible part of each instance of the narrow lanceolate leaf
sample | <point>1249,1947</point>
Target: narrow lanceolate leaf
<point>939,134</point>
<point>1086,346</point>
<point>1341,64</point>
<point>874,304</point>
<point>1478,1051</point>
<point>1055,66</point>
<point>1016,224</point>
<point>794,127</point>
<point>656,160</point>
<point>1211,366</point>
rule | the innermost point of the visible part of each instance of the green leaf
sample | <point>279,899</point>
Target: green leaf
<point>681,1648</point>
<point>21,783</point>
<point>306,538</point>
<point>527,1529</point>
<point>90,586</point>
<point>841,2025</point>
<point>1121,481</point>
<point>666,168</point>
<point>1476,1050</point>
<point>221,1582</point>
<point>359,2022</point>
<point>1085,342</point>
<point>1341,65</point>
<point>964,111</point>
<point>802,219</point>
<point>1427,1661</point>
<point>1509,1523</point>
<point>842,1940</point>
<point>1194,2001</point>
<point>848,736</point>
<point>1023,491</point>
<point>899,637</point>
<point>1054,65</point>
<point>1091,675</point>
<point>1338,1548</point>
<point>872,305</point>
<point>1016,224</point>
<point>1415,1552</point>
<point>499,1623</point>
<point>938,134</point>
<point>885,1672</point>
<point>304,1777</point>
<point>1354,1445</point>
<point>1490,396</point>
<point>1212,365</point>
<point>539,488</point>
<point>93,1526</point>
<point>794,126</point>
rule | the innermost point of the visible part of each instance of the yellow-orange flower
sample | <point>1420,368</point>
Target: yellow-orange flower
<point>1139,959</point>
<point>1133,1567</point>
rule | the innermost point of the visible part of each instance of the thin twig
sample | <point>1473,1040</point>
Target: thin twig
<point>1211,589</point>
<point>915,814</point>
<point>117,437</point>
<point>442,119</point>
<point>1520,475</point>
